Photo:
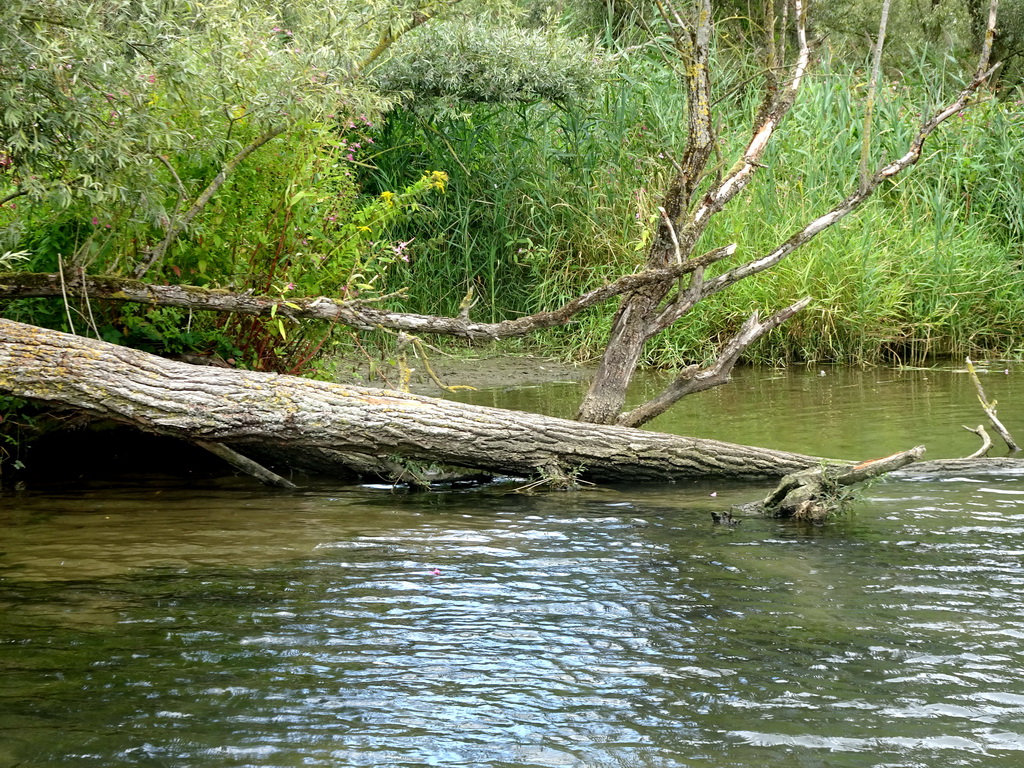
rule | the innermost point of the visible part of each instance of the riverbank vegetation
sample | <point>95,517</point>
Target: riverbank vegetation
<point>488,175</point>
<point>546,201</point>
<point>404,162</point>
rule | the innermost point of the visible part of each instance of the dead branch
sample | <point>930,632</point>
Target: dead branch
<point>815,494</point>
<point>245,464</point>
<point>692,379</point>
<point>854,200</point>
<point>986,441</point>
<point>989,406</point>
<point>355,313</point>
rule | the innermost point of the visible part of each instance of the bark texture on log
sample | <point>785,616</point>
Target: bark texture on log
<point>355,313</point>
<point>290,417</point>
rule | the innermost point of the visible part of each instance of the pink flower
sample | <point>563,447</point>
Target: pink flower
<point>399,249</point>
<point>436,572</point>
<point>95,221</point>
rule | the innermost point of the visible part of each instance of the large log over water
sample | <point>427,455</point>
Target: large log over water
<point>304,423</point>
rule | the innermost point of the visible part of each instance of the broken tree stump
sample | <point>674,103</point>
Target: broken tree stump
<point>816,493</point>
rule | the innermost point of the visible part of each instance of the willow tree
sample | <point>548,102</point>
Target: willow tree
<point>680,270</point>
<point>139,112</point>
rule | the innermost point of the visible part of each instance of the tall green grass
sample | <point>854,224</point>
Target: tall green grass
<point>544,203</point>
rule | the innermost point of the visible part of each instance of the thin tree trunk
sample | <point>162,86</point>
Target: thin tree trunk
<point>175,228</point>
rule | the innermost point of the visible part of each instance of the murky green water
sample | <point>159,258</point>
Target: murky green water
<point>843,413</point>
<point>160,624</point>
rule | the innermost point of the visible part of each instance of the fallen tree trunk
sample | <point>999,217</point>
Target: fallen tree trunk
<point>360,314</point>
<point>304,424</point>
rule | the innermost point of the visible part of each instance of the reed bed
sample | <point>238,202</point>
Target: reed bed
<point>544,202</point>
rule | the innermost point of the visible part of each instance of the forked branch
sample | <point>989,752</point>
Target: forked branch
<point>693,379</point>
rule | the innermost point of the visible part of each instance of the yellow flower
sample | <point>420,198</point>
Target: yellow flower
<point>438,179</point>
<point>388,197</point>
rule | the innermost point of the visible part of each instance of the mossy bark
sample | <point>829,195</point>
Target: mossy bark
<point>324,427</point>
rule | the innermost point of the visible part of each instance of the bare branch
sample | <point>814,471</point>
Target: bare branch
<point>245,464</point>
<point>686,300</point>
<point>692,380</point>
<point>356,313</point>
<point>856,199</point>
<point>739,176</point>
<point>693,42</point>
<point>989,406</point>
<point>876,73</point>
<point>990,36</point>
<point>986,441</point>
<point>177,227</point>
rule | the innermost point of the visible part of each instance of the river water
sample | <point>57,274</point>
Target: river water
<point>158,622</point>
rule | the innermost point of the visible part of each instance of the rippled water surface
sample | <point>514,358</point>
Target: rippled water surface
<point>159,624</point>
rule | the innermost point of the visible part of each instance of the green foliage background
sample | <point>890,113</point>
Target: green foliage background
<point>516,149</point>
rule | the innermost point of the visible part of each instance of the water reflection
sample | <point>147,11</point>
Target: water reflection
<point>345,626</point>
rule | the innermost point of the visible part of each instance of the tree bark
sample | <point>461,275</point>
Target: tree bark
<point>645,313</point>
<point>361,314</point>
<point>314,425</point>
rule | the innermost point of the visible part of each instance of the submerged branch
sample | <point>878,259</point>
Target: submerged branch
<point>989,406</point>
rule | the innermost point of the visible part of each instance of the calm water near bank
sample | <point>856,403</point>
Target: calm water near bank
<point>833,412</point>
<point>160,623</point>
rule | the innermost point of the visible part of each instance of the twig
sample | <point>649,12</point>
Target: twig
<point>88,306</point>
<point>421,353</point>
<point>64,293</point>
